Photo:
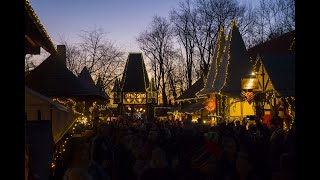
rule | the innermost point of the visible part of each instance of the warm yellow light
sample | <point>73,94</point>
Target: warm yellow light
<point>204,121</point>
<point>253,73</point>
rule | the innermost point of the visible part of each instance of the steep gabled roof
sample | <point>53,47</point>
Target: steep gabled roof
<point>215,63</point>
<point>86,79</point>
<point>135,77</point>
<point>282,44</point>
<point>235,64</point>
<point>192,90</point>
<point>281,70</point>
<point>101,89</point>
<point>116,86</point>
<point>53,79</point>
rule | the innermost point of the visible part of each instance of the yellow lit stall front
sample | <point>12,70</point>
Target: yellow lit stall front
<point>134,104</point>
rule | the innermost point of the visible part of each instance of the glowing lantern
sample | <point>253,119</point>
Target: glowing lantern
<point>210,104</point>
<point>249,96</point>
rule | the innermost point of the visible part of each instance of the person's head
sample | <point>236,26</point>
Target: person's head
<point>243,165</point>
<point>104,129</point>
<point>153,135</point>
<point>158,158</point>
<point>78,151</point>
<point>278,136</point>
<point>252,129</point>
<point>237,123</point>
<point>229,145</point>
<point>211,136</point>
<point>88,134</point>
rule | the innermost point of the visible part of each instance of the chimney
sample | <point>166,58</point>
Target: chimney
<point>61,54</point>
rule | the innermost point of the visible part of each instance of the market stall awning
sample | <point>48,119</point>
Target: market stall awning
<point>190,93</point>
<point>192,108</point>
<point>36,35</point>
<point>61,117</point>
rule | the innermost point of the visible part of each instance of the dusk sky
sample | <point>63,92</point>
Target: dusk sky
<point>122,20</point>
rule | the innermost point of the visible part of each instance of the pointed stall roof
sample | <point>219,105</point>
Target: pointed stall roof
<point>281,70</point>
<point>86,79</point>
<point>53,79</point>
<point>223,68</point>
<point>215,63</point>
<point>101,89</point>
<point>282,44</point>
<point>116,87</point>
<point>135,77</point>
<point>235,65</point>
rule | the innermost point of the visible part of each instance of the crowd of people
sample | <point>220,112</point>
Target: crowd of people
<point>129,149</point>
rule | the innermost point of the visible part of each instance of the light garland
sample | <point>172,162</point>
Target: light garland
<point>291,109</point>
<point>229,44</point>
<point>216,61</point>
<point>80,121</point>
<point>293,42</point>
<point>188,99</point>
<point>81,116</point>
<point>60,148</point>
<point>219,55</point>
<point>35,19</point>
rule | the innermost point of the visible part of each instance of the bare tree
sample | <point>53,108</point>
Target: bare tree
<point>156,42</point>
<point>29,65</point>
<point>210,16</point>
<point>102,58</point>
<point>273,18</point>
<point>73,54</point>
<point>32,61</point>
<point>181,19</point>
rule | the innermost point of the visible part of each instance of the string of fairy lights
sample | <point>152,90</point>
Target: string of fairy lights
<point>216,62</point>
<point>293,42</point>
<point>233,25</point>
<point>82,120</point>
<point>59,151</point>
<point>291,110</point>
<point>38,23</point>
<point>220,45</point>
